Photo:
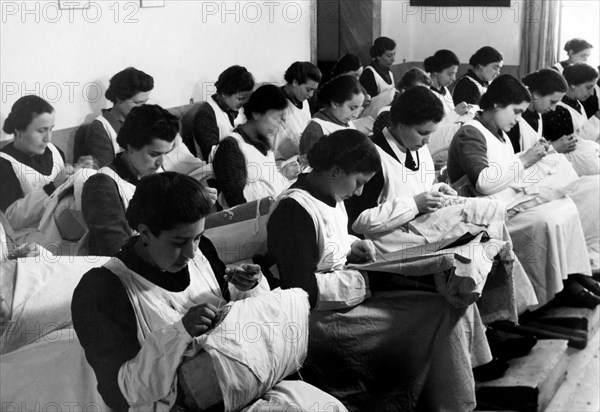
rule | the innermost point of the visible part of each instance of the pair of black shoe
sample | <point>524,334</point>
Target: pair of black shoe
<point>502,349</point>
<point>580,291</point>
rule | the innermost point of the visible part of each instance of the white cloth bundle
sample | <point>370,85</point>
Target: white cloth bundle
<point>261,341</point>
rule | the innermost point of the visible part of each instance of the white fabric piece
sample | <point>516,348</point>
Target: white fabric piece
<point>264,178</point>
<point>181,160</point>
<point>585,193</point>
<point>287,140</point>
<point>48,224</point>
<point>25,213</point>
<point>51,375</point>
<point>260,341</point>
<point>295,396</point>
<point>41,302</point>
<point>549,242</point>
<point>381,100</point>
<point>338,287</point>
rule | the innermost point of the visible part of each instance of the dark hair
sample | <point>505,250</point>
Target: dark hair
<point>266,97</point>
<point>348,149</point>
<point>577,45</point>
<point>164,200</point>
<point>414,77</point>
<point>579,73</point>
<point>302,72</point>
<point>145,123</point>
<point>416,106</point>
<point>545,82</point>
<point>485,56</point>
<point>381,45</point>
<point>504,90</point>
<point>127,83</point>
<point>346,63</point>
<point>440,61</point>
<point>234,79</point>
<point>23,111</point>
<point>338,90</point>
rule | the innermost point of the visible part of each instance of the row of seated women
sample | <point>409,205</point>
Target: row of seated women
<point>400,205</point>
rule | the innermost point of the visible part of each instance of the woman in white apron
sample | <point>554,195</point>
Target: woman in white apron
<point>545,226</point>
<point>218,116</point>
<point>378,77</point>
<point>413,77</point>
<point>403,206</point>
<point>145,311</point>
<point>578,50</point>
<point>365,344</point>
<point>302,80</point>
<point>244,162</point>
<point>486,64</point>
<point>570,117</point>
<point>442,68</point>
<point>147,135</point>
<point>341,99</point>
<point>547,88</point>
<point>31,167</point>
<point>127,89</point>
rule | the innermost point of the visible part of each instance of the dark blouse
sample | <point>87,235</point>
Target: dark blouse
<point>11,186</point>
<point>104,212</point>
<point>205,130</point>
<point>466,91</point>
<point>559,122</point>
<point>229,165</point>
<point>105,321</point>
<point>96,142</point>
<point>292,241</point>
<point>367,79</point>
<point>469,143</point>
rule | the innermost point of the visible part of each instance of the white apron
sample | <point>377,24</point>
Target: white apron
<point>584,128</point>
<point>111,132</point>
<point>287,140</point>
<point>24,214</point>
<point>330,127</point>
<point>264,178</point>
<point>481,88</point>
<point>223,123</point>
<point>149,380</point>
<point>338,287</point>
<point>126,192</point>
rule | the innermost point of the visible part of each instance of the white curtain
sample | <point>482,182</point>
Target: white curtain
<point>540,32</point>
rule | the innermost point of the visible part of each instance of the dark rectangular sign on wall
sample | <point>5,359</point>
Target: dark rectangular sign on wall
<point>461,3</point>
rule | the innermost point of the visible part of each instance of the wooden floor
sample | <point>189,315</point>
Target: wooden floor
<point>580,392</point>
